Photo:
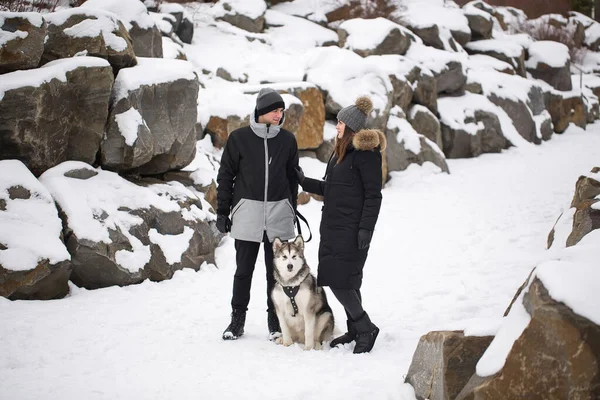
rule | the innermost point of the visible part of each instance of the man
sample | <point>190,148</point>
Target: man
<point>258,188</point>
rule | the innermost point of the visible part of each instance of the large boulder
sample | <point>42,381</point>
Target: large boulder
<point>22,40</point>
<point>406,146</point>
<point>426,123</point>
<point>120,233</point>
<point>55,113</point>
<point>95,33</point>
<point>504,50</point>
<point>481,23</point>
<point>395,39</point>
<point>152,123</point>
<point>309,134</point>
<point>403,74</point>
<point>447,68</point>
<point>145,35</point>
<point>550,61</point>
<point>443,363</point>
<point>248,15</point>
<point>183,26</point>
<point>566,108</point>
<point>34,262</point>
<point>520,114</point>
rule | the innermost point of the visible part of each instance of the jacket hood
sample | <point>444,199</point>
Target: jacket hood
<point>369,140</point>
<point>260,130</point>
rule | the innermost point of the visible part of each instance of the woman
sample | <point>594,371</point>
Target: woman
<point>352,198</point>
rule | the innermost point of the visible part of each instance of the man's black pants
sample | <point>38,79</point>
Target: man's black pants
<point>245,257</point>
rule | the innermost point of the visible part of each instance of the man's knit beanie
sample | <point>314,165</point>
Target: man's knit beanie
<point>267,101</point>
<point>355,116</point>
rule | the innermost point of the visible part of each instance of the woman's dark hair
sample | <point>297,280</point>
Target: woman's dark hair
<point>341,145</point>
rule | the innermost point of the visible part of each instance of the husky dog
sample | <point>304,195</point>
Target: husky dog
<point>301,305</point>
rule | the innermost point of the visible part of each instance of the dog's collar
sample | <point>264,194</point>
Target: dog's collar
<point>291,292</point>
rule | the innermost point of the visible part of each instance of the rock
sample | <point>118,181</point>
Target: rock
<point>22,41</point>
<point>128,232</point>
<point>443,363</point>
<point>511,53</point>
<point>565,109</point>
<point>405,146</point>
<point>587,215</point>
<point>183,27</point>
<point>550,62</point>
<point>520,114</point>
<point>71,129</point>
<point>395,39</point>
<point>91,32</point>
<point>309,134</point>
<point>249,17</point>
<point>145,35</point>
<point>219,128</point>
<point>152,124</point>
<point>426,123</point>
<point>424,88</point>
<point>34,262</point>
<point>481,23</point>
<point>544,127</point>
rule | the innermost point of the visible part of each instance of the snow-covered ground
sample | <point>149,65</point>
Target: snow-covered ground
<point>449,252</point>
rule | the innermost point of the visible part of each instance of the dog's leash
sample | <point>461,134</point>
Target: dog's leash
<point>301,217</point>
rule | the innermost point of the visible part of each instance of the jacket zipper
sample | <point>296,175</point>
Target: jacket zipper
<point>266,179</point>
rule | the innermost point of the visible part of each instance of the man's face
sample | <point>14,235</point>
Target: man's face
<point>272,117</point>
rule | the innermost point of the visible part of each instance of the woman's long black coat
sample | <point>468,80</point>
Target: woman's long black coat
<point>352,199</point>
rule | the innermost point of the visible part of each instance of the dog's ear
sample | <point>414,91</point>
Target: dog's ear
<point>299,242</point>
<point>277,243</point>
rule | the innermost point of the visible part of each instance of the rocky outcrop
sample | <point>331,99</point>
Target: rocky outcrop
<point>250,18</point>
<point>92,32</point>
<point>565,109</point>
<point>511,53</point>
<point>426,123</point>
<point>34,262</point>
<point>480,23</point>
<point>443,363</point>
<point>152,123</point>
<point>22,42</point>
<point>395,39</point>
<point>587,213</point>
<point>309,134</point>
<point>55,113</point>
<point>550,62</point>
<point>520,114</point>
<point>183,27</point>
<point>120,232</point>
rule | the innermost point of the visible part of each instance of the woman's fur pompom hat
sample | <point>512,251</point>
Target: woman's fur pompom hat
<point>355,116</point>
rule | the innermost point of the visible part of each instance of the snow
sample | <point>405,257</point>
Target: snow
<point>553,54</point>
<point>283,32</point>
<point>434,59</point>
<point>171,50</point>
<point>31,228</point>
<point>367,34</point>
<point>32,18</point>
<point>128,123</point>
<point>459,261</point>
<point>509,48</point>
<point>172,246</point>
<point>129,11</point>
<point>313,10</point>
<point>53,70</point>
<point>150,71</point>
<point>406,133</point>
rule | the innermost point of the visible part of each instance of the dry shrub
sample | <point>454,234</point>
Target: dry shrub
<point>532,8</point>
<point>543,29</point>
<point>28,5</point>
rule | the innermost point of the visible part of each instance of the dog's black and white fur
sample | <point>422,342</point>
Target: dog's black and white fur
<point>304,314</point>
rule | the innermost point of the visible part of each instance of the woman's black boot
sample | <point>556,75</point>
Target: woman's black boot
<point>346,337</point>
<point>366,334</point>
<point>236,327</point>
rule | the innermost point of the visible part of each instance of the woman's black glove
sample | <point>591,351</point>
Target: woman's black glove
<point>364,238</point>
<point>223,223</point>
<point>299,174</point>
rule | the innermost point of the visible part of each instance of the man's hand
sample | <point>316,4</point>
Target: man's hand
<point>223,223</point>
<point>299,174</point>
<point>364,238</point>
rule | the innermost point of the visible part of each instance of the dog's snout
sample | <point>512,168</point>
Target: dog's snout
<point>290,267</point>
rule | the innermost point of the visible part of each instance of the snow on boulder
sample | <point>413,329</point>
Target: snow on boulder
<point>504,50</point>
<point>448,68</point>
<point>442,26</point>
<point>152,123</point>
<point>55,113</point>
<point>426,123</point>
<point>549,340</point>
<point>481,23</point>
<point>120,233</point>
<point>144,33</point>
<point>248,15</point>
<point>472,125</point>
<point>95,33</point>
<point>343,76</point>
<point>183,26</point>
<point>34,262</point>
<point>550,61</point>
<point>21,40</point>
<point>374,37</point>
<point>283,32</point>
<point>405,146</point>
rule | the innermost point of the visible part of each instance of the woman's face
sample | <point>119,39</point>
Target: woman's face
<point>340,128</point>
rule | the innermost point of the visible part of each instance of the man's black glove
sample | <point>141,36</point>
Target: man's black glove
<point>364,238</point>
<point>223,223</point>
<point>299,174</point>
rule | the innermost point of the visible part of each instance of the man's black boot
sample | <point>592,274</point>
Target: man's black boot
<point>346,337</point>
<point>273,324</point>
<point>236,327</point>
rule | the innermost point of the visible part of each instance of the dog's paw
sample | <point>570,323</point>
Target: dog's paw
<point>318,346</point>
<point>287,342</point>
<point>279,340</point>
<point>308,347</point>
